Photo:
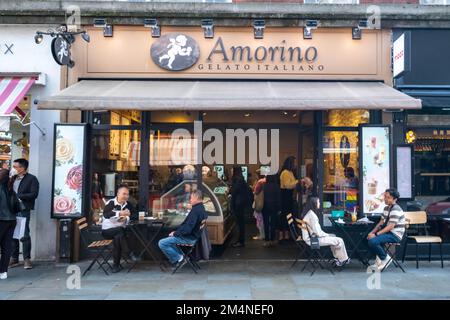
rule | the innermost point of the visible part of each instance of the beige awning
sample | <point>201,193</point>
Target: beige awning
<point>227,95</point>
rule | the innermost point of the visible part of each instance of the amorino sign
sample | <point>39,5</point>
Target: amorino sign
<point>175,52</point>
<point>184,52</point>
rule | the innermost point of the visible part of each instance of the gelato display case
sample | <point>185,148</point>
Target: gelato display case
<point>174,206</point>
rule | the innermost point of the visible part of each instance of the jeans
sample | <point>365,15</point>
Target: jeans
<point>6,237</point>
<point>120,245</point>
<point>376,244</point>
<point>168,247</point>
<point>26,240</point>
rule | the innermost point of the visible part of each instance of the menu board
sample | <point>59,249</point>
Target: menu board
<point>68,170</point>
<point>404,171</point>
<point>374,167</point>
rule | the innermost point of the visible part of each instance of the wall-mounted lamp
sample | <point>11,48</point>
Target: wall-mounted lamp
<point>208,28</point>
<point>258,28</point>
<point>309,26</point>
<point>61,43</point>
<point>357,31</point>
<point>107,28</point>
<point>153,24</point>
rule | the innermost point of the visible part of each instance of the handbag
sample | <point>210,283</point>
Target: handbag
<point>314,239</point>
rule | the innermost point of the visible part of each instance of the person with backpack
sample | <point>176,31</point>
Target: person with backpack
<point>240,200</point>
<point>7,223</point>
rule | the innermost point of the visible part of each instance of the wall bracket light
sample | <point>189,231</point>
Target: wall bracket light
<point>258,28</point>
<point>154,25</point>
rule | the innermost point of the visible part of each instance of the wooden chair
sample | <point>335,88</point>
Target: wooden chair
<point>102,249</point>
<point>418,219</point>
<point>187,250</point>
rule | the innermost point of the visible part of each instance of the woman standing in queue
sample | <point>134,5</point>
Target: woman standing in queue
<point>238,203</point>
<point>271,208</point>
<point>288,183</point>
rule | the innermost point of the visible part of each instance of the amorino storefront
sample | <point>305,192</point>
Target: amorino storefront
<point>136,101</point>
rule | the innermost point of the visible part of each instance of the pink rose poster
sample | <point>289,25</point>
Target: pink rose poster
<point>68,171</point>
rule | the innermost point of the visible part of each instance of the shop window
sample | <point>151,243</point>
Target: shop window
<point>253,117</point>
<point>435,2</point>
<point>115,162</point>
<point>117,117</point>
<point>432,160</point>
<point>172,163</point>
<point>331,1</point>
<point>341,172</point>
<point>174,116</point>
<point>346,118</point>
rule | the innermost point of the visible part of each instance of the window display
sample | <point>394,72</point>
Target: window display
<point>341,172</point>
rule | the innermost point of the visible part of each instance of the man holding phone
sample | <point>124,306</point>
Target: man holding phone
<point>117,214</point>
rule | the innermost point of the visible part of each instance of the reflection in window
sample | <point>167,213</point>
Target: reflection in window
<point>172,161</point>
<point>346,118</point>
<point>115,162</point>
<point>341,171</point>
<point>117,117</point>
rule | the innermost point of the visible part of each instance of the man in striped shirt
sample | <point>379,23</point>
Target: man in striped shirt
<point>390,229</point>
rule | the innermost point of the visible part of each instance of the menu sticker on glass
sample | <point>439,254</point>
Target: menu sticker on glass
<point>375,167</point>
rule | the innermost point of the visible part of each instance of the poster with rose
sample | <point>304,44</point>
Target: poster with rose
<point>375,167</point>
<point>68,171</point>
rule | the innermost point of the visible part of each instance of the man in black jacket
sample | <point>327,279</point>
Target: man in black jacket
<point>187,233</point>
<point>117,214</point>
<point>26,187</point>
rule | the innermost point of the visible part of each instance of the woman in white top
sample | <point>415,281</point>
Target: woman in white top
<point>336,244</point>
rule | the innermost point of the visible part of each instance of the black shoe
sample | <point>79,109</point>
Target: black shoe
<point>238,245</point>
<point>116,268</point>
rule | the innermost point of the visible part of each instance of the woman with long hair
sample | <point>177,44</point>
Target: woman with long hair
<point>288,183</point>
<point>238,203</point>
<point>337,245</point>
<point>272,205</point>
<point>7,223</point>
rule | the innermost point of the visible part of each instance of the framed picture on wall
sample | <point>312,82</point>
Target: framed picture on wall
<point>375,166</point>
<point>69,162</point>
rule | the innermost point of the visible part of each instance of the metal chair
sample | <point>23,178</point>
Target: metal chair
<point>418,219</point>
<point>102,249</point>
<point>187,250</point>
<point>313,254</point>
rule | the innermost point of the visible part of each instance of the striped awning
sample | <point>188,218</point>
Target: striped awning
<point>12,91</point>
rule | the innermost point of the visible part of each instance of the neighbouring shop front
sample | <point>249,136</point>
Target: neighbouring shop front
<point>28,72</point>
<point>135,93</point>
<point>426,76</point>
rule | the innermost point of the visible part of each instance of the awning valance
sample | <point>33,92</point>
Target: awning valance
<point>12,91</point>
<point>227,95</point>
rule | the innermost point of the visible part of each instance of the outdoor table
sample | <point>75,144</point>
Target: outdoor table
<point>354,235</point>
<point>140,230</point>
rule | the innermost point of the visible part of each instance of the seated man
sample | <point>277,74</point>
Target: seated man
<point>187,233</point>
<point>117,214</point>
<point>390,229</point>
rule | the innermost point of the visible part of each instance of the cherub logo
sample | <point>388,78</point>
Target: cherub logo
<point>175,52</point>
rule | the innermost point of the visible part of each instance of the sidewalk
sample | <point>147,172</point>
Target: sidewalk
<point>238,279</point>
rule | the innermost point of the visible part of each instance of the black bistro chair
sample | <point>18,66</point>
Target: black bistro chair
<point>187,251</point>
<point>101,249</point>
<point>313,254</point>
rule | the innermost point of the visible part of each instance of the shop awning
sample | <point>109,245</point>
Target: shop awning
<point>227,95</point>
<point>12,91</point>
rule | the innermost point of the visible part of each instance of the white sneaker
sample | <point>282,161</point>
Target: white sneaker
<point>385,263</point>
<point>376,264</point>
<point>3,276</point>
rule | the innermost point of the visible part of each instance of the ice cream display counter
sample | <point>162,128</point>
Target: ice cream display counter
<point>174,205</point>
